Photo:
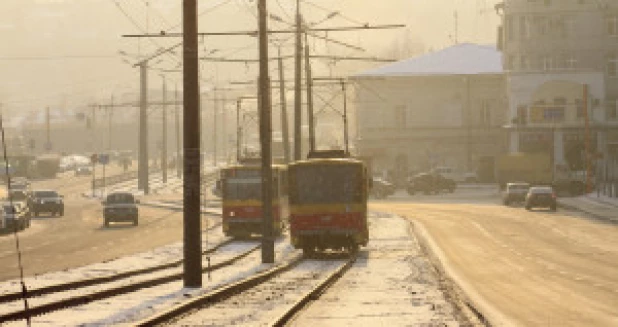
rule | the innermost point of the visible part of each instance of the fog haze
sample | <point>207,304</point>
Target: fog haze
<point>65,53</point>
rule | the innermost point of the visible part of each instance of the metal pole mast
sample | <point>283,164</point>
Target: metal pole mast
<point>588,155</point>
<point>284,112</point>
<point>238,129</point>
<point>309,96</point>
<point>177,127</point>
<point>297,87</point>
<point>164,142</point>
<point>268,242</point>
<point>345,118</point>
<point>109,123</point>
<point>47,123</point>
<point>192,180</point>
<point>214,127</point>
<point>142,167</point>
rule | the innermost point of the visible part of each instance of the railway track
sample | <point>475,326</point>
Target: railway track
<point>279,287</point>
<point>106,287</point>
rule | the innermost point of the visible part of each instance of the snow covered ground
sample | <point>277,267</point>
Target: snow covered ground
<point>392,283</point>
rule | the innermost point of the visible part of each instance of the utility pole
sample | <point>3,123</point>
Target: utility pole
<point>345,118</point>
<point>109,124</point>
<point>214,128</point>
<point>284,112</point>
<point>192,226</point>
<point>297,87</point>
<point>309,82</point>
<point>47,125</point>
<point>142,165</point>
<point>177,127</point>
<point>268,242</point>
<point>238,130</point>
<point>588,155</point>
<point>164,137</point>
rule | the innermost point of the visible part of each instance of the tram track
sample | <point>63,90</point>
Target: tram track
<point>261,286</point>
<point>111,291</point>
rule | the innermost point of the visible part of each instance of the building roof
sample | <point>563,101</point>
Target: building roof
<point>461,59</point>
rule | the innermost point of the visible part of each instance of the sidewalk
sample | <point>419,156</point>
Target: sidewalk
<point>600,207</point>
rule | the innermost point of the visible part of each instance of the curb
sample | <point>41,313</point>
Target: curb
<point>587,212</point>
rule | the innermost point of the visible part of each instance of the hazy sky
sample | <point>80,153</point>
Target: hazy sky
<point>65,53</point>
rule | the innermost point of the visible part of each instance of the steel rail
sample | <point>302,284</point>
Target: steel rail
<point>104,294</point>
<point>314,293</point>
<point>221,294</point>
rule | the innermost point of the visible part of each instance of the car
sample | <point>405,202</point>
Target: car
<point>541,197</point>
<point>120,207</point>
<point>380,188</point>
<point>46,201</point>
<point>14,216</point>
<point>515,193</point>
<point>430,183</point>
<point>83,171</point>
<point>20,184</point>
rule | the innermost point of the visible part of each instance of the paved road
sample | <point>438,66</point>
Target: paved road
<point>525,268</point>
<point>79,238</point>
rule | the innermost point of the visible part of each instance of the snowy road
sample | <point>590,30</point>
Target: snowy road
<point>521,268</point>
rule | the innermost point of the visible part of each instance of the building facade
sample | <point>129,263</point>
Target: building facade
<point>561,62</point>
<point>441,109</point>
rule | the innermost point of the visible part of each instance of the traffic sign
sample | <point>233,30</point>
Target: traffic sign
<point>93,158</point>
<point>104,158</point>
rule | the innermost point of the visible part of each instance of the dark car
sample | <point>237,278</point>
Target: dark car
<point>515,193</point>
<point>120,207</point>
<point>46,201</point>
<point>430,183</point>
<point>380,188</point>
<point>83,171</point>
<point>541,197</point>
<point>14,216</point>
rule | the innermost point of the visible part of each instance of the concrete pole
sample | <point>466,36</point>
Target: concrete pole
<point>164,142</point>
<point>192,227</point>
<point>297,87</point>
<point>284,112</point>
<point>268,242</point>
<point>177,127</point>
<point>309,83</point>
<point>142,166</point>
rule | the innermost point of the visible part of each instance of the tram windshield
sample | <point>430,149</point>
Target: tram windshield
<point>248,188</point>
<point>328,184</point>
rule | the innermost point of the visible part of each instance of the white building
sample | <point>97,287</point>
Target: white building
<point>445,108</point>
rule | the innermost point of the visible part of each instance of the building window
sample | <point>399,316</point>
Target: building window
<point>548,63</point>
<point>612,65</point>
<point>612,109</point>
<point>571,63</point>
<point>612,26</point>
<point>400,117</point>
<point>485,113</point>
<point>579,105</point>
<point>523,63</point>
<point>522,115</point>
<point>524,27</point>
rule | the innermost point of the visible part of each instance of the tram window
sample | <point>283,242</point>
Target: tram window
<point>328,184</point>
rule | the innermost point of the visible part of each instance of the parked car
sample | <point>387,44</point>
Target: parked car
<point>46,201</point>
<point>120,207</point>
<point>14,216</point>
<point>430,183</point>
<point>380,188</point>
<point>541,196</point>
<point>83,171</point>
<point>515,193</point>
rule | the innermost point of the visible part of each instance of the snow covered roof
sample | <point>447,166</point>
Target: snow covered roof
<point>461,59</point>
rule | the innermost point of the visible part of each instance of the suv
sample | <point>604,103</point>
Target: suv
<point>515,192</point>
<point>120,206</point>
<point>46,201</point>
<point>430,183</point>
<point>541,196</point>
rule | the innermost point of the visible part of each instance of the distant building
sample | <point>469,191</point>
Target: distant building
<point>551,50</point>
<point>445,108</point>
